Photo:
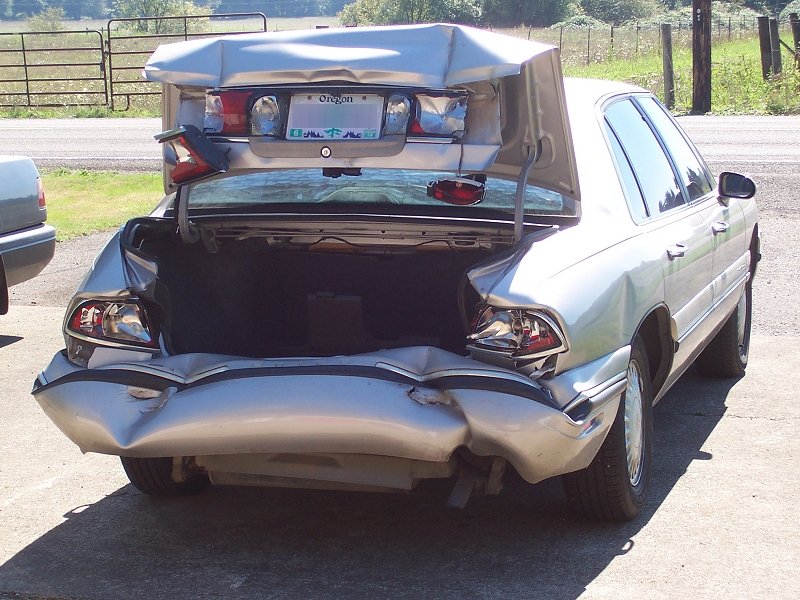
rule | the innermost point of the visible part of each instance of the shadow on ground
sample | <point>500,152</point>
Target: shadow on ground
<point>7,340</point>
<point>261,543</point>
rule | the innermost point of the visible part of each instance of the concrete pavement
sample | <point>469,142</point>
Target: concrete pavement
<point>720,522</point>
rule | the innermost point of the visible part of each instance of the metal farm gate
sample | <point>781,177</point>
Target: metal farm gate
<point>52,68</point>
<point>130,41</point>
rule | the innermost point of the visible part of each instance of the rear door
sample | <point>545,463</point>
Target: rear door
<point>657,198</point>
<point>724,220</point>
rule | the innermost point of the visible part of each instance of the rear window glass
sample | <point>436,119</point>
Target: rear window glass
<point>383,187</point>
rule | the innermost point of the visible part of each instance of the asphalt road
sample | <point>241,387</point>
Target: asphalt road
<point>720,521</point>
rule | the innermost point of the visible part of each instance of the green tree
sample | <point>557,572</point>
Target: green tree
<point>390,12</point>
<point>28,7</point>
<point>619,11</point>
<point>507,13</point>
<point>156,8</point>
<point>50,19</point>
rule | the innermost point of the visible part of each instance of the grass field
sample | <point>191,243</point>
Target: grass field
<point>82,202</point>
<point>736,87</point>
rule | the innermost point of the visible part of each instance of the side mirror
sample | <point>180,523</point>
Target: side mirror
<point>734,185</point>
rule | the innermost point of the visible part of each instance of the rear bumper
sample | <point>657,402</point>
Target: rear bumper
<point>25,253</point>
<point>412,403</point>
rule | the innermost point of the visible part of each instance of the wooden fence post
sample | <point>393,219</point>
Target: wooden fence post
<point>666,57</point>
<point>775,45</point>
<point>765,46</point>
<point>794,21</point>
<point>701,56</point>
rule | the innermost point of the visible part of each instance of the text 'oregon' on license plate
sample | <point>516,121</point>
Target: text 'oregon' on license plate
<point>342,117</point>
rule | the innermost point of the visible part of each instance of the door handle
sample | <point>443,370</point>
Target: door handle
<point>719,227</point>
<point>676,251</point>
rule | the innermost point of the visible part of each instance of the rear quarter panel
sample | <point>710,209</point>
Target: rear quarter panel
<point>19,194</point>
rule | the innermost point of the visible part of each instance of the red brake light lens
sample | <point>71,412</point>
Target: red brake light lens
<point>226,113</point>
<point>461,191</point>
<point>193,155</point>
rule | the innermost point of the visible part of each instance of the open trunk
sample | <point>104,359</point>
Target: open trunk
<point>250,297</point>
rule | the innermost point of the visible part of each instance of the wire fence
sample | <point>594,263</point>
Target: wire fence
<point>102,68</point>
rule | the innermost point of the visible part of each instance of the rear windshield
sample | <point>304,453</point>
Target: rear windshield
<point>389,189</point>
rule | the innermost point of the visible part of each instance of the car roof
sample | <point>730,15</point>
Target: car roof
<point>593,91</point>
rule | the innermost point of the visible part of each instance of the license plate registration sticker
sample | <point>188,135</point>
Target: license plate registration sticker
<point>341,117</point>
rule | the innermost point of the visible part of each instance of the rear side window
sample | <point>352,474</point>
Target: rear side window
<point>629,183</point>
<point>651,166</point>
<point>694,174</point>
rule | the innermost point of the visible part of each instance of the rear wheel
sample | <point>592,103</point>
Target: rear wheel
<point>613,487</point>
<point>153,476</point>
<point>726,354</point>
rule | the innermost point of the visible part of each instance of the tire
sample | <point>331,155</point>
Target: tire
<point>153,476</point>
<point>614,486</point>
<point>726,355</point>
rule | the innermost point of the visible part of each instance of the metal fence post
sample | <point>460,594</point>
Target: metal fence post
<point>25,68</point>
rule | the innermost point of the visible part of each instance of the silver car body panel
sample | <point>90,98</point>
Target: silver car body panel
<point>418,403</point>
<point>598,280</point>
<point>517,97</point>
<point>26,243</point>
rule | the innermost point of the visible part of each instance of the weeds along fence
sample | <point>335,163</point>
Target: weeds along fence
<point>103,68</point>
<point>590,45</point>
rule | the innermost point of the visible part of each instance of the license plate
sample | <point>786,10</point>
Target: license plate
<point>328,117</point>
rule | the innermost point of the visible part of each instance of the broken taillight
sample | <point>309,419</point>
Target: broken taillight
<point>226,113</point>
<point>119,322</point>
<point>193,155</point>
<point>519,332</point>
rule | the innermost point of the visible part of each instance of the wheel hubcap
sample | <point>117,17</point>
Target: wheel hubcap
<point>634,423</point>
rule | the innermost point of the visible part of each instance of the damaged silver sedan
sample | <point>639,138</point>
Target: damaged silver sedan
<point>375,265</point>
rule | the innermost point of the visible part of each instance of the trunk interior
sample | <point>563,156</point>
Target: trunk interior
<point>250,299</point>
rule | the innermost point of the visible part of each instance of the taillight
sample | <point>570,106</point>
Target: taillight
<point>193,155</point>
<point>243,113</point>
<point>440,116</point>
<point>398,112</point>
<point>121,322</point>
<point>40,190</point>
<point>461,191</point>
<point>519,332</point>
<point>226,113</point>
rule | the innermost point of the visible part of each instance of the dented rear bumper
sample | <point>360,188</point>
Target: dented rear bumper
<point>417,403</point>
